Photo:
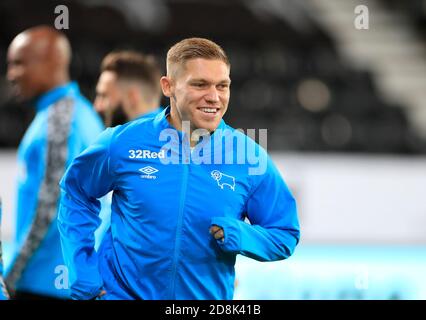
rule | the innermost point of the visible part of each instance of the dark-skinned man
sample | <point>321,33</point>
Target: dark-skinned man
<point>65,124</point>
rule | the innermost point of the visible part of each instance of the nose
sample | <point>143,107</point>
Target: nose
<point>12,73</point>
<point>212,95</point>
<point>100,104</point>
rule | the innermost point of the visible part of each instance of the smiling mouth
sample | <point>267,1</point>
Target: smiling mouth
<point>209,110</point>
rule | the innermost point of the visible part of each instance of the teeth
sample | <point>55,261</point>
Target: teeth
<point>209,110</point>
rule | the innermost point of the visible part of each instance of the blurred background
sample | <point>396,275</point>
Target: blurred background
<point>345,109</point>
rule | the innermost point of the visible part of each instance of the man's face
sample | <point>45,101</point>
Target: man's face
<point>107,92</point>
<point>26,69</point>
<point>200,92</point>
<point>108,99</point>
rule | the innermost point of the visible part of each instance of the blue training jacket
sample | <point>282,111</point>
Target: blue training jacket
<point>105,213</point>
<point>65,124</point>
<point>165,198</point>
<point>3,293</point>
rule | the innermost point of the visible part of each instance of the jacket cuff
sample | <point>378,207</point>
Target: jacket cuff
<point>77,294</point>
<point>232,233</point>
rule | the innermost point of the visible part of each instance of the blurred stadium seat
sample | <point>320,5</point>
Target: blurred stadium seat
<point>286,78</point>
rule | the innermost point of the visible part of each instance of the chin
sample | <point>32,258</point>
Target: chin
<point>23,95</point>
<point>20,97</point>
<point>209,127</point>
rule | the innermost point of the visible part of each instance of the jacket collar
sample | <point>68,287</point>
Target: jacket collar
<point>51,96</point>
<point>162,122</point>
<point>180,141</point>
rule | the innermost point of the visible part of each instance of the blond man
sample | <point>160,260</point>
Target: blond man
<point>181,195</point>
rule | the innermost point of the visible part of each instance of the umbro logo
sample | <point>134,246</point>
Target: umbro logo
<point>148,172</point>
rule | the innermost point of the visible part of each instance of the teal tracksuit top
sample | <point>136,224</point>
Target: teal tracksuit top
<point>165,198</point>
<point>64,125</point>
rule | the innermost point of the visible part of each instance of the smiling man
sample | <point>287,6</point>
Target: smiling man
<point>176,227</point>
<point>199,90</point>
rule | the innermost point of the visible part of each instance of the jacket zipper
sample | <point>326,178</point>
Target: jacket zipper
<point>179,227</point>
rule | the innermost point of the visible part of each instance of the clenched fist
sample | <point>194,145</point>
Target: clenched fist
<point>217,232</point>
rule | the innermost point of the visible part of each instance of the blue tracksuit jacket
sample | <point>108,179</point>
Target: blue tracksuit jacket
<point>3,293</point>
<point>165,198</point>
<point>65,124</point>
<point>105,213</point>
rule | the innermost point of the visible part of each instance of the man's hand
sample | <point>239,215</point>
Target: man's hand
<point>102,293</point>
<point>217,232</point>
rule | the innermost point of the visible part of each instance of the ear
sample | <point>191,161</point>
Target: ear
<point>166,86</point>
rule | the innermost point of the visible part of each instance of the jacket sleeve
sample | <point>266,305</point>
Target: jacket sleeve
<point>87,179</point>
<point>274,230</point>
<point>3,293</point>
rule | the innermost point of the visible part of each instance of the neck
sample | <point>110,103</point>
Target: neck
<point>144,108</point>
<point>58,80</point>
<point>175,120</point>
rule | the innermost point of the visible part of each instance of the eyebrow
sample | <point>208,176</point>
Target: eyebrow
<point>206,81</point>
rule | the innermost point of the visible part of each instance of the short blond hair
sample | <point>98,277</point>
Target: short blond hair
<point>192,48</point>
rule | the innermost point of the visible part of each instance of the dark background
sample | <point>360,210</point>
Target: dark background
<point>287,75</point>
